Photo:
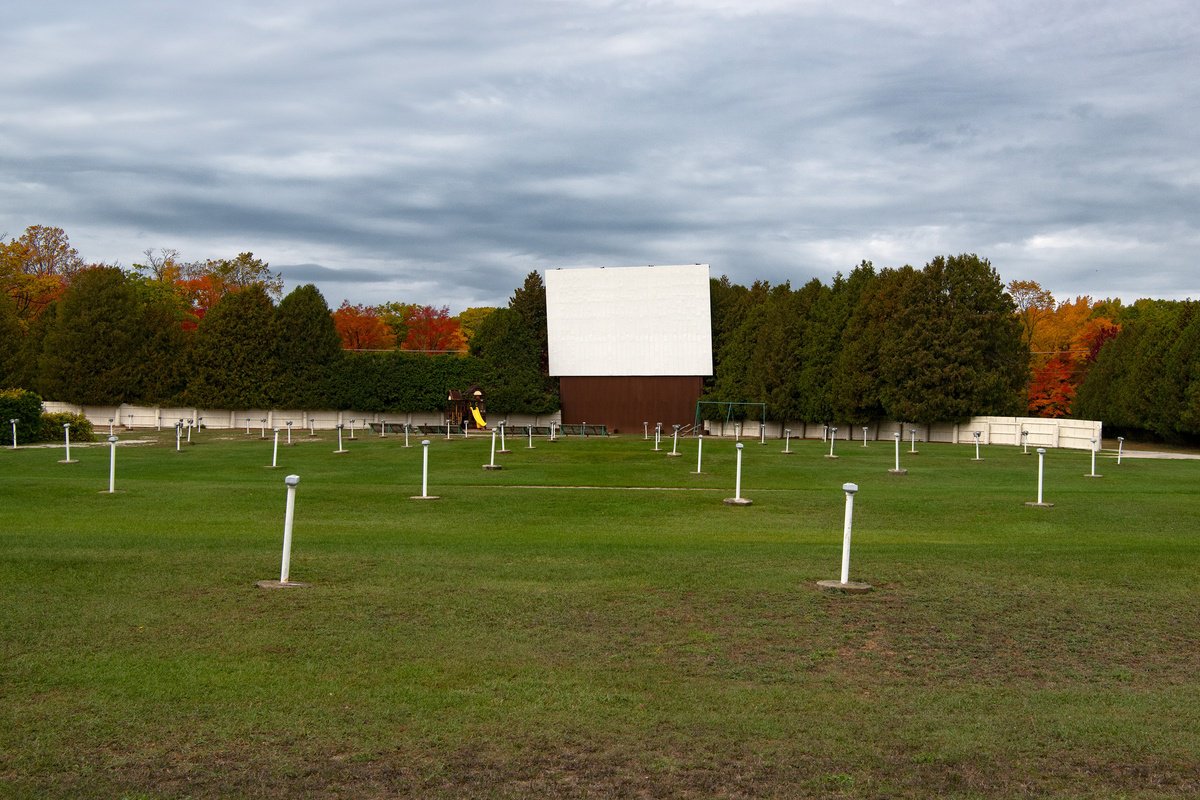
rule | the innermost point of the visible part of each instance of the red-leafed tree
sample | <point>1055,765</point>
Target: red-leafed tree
<point>1052,388</point>
<point>362,328</point>
<point>433,329</point>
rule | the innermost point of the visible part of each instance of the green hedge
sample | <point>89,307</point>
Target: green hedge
<point>51,427</point>
<point>26,408</point>
<point>402,382</point>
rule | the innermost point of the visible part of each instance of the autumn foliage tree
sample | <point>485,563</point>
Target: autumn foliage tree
<point>432,330</point>
<point>36,268</point>
<point>361,327</point>
<point>1064,339</point>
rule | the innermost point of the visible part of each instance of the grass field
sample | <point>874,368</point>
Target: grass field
<point>592,621</point>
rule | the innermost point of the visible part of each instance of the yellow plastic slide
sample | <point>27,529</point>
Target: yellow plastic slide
<point>478,417</point>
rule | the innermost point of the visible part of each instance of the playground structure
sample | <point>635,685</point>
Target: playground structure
<point>466,408</point>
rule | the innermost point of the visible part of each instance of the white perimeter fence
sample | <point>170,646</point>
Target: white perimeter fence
<point>134,417</point>
<point>1069,433</point>
<point>1039,432</point>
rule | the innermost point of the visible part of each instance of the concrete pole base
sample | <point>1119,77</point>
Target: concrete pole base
<point>341,451</point>
<point>282,585</point>
<point>849,587</point>
<point>787,452</point>
<point>1033,504</point>
<point>829,456</point>
<point>68,461</point>
<point>1090,475</point>
<point>897,472</point>
<point>424,497</point>
<point>492,466</point>
<point>736,501</point>
<point>674,455</point>
<point>503,452</point>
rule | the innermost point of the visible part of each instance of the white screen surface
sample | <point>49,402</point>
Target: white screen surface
<point>629,321</point>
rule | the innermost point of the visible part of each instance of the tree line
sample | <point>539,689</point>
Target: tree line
<point>211,334</point>
<point>938,344</point>
<point>935,344</point>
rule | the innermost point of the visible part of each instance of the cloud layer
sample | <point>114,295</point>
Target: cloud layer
<point>436,153</point>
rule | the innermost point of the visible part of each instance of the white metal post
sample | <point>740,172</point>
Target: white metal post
<point>275,450</point>
<point>699,452</point>
<point>762,433</point>
<point>864,435</point>
<point>1041,453</point>
<point>312,427</point>
<point>897,434</point>
<point>849,489</point>
<point>913,446</point>
<point>530,429</point>
<point>67,440</point>
<point>178,435</point>
<point>425,468</point>
<point>737,486</point>
<point>339,430</point>
<point>1025,441</point>
<point>675,442</point>
<point>112,464</point>
<point>247,426</point>
<point>1120,446</point>
<point>646,431</point>
<point>289,516</point>
<point>492,461</point>
<point>263,422</point>
<point>503,448</point>
<point>1093,472</point>
<point>832,439</point>
<point>787,440</point>
<point>447,429</point>
<point>189,431</point>
<point>657,435</point>
<point>406,427</point>
<point>352,419</point>
<point>13,422</point>
<point>110,426</point>
<point>976,434</point>
<point>737,431</point>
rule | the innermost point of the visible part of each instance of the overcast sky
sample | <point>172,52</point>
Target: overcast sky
<point>437,151</point>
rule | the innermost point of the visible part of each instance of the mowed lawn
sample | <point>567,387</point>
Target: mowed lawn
<point>592,621</point>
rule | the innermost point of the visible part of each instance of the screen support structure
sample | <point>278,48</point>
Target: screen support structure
<point>724,411</point>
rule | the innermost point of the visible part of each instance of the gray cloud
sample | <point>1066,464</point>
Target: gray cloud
<point>436,153</point>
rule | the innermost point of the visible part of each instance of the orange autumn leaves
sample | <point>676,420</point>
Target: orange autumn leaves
<point>1063,338</point>
<point>409,327</point>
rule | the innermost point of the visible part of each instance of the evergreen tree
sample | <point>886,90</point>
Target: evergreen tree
<point>530,302</point>
<point>728,304</point>
<point>90,353</point>
<point>956,348</point>
<point>819,353</point>
<point>516,385</point>
<point>24,368</point>
<point>11,339</point>
<point>233,355</point>
<point>744,320</point>
<point>308,348</point>
<point>163,345</point>
<point>856,391</point>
